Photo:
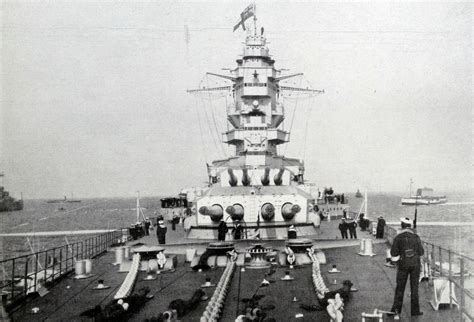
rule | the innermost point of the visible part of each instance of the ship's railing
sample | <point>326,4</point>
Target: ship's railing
<point>455,267</point>
<point>33,272</point>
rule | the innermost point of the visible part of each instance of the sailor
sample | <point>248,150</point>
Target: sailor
<point>222,230</point>
<point>174,220</point>
<point>380,227</point>
<point>292,232</point>
<point>161,232</point>
<point>237,230</point>
<point>407,250</point>
<point>146,226</point>
<point>321,215</point>
<point>343,227</point>
<point>352,228</point>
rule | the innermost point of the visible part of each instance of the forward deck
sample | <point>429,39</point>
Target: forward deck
<point>374,281</point>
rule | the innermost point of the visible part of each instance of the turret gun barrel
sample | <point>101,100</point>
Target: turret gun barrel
<point>245,177</point>
<point>232,177</point>
<point>215,212</point>
<point>289,210</point>
<point>266,177</point>
<point>268,211</point>
<point>277,179</point>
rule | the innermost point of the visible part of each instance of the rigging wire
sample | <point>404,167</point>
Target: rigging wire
<point>214,119</point>
<point>308,117</point>
<point>200,131</point>
<point>209,125</point>
<point>293,117</point>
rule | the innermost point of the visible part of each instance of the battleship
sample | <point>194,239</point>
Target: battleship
<point>287,264</point>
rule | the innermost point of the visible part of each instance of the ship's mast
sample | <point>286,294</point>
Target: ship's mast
<point>254,19</point>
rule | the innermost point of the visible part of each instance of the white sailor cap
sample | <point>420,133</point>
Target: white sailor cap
<point>406,220</point>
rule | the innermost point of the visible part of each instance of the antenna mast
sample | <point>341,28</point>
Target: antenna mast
<point>254,19</point>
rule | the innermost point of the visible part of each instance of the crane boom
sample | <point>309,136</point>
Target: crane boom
<point>210,89</point>
<point>298,89</point>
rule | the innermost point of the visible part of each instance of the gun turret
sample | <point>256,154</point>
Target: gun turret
<point>232,177</point>
<point>266,177</point>
<point>245,177</point>
<point>277,178</point>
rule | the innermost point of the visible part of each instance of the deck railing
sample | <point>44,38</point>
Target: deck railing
<point>453,266</point>
<point>30,273</point>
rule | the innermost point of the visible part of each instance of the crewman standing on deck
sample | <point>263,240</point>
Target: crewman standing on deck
<point>222,230</point>
<point>161,232</point>
<point>343,227</point>
<point>237,230</point>
<point>380,227</point>
<point>352,228</point>
<point>146,226</point>
<point>407,250</point>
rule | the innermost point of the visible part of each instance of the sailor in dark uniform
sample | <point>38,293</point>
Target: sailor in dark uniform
<point>237,230</point>
<point>161,232</point>
<point>292,232</point>
<point>406,250</point>
<point>380,227</point>
<point>222,230</point>
<point>343,227</point>
<point>352,225</point>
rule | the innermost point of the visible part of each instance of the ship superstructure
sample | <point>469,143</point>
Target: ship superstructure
<point>256,184</point>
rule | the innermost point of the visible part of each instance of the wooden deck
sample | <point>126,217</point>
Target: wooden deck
<point>374,281</point>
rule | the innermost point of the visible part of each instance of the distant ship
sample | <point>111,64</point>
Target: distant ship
<point>8,203</point>
<point>63,200</point>
<point>424,196</point>
<point>358,194</point>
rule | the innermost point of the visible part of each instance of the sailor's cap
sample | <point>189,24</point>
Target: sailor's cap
<point>406,220</point>
<point>160,222</point>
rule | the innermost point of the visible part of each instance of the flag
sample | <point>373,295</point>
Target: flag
<point>247,13</point>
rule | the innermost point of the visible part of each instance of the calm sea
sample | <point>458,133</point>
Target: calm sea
<point>38,215</point>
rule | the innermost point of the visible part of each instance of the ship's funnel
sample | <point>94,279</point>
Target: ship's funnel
<point>266,177</point>
<point>268,211</point>
<point>245,177</point>
<point>232,177</point>
<point>215,212</point>
<point>236,212</point>
<point>289,210</point>
<point>277,178</point>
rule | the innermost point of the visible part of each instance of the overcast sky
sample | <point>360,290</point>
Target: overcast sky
<point>94,98</point>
